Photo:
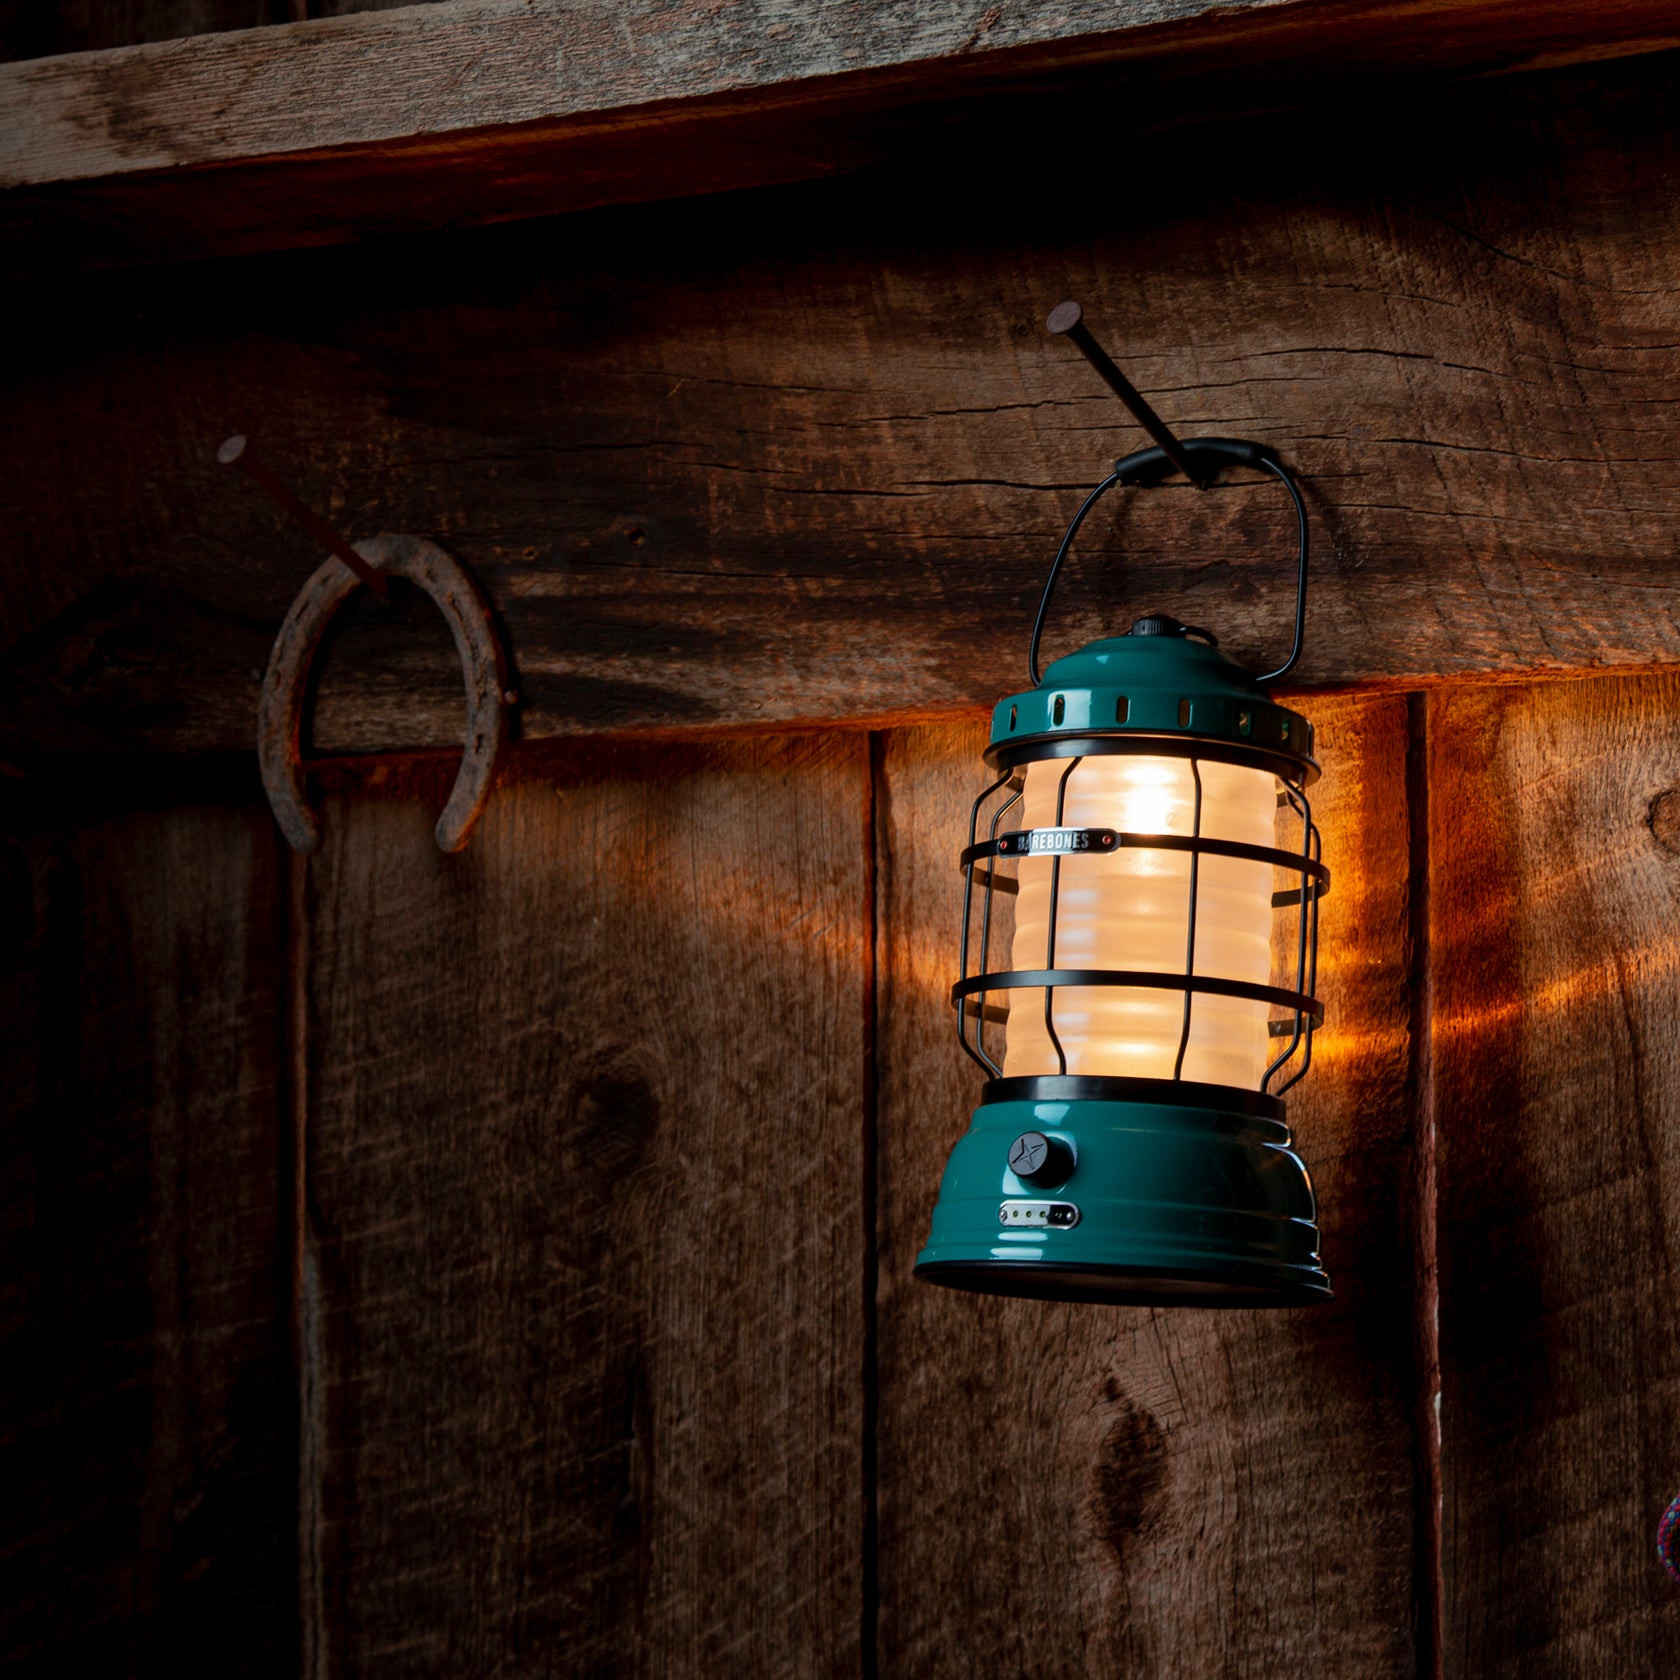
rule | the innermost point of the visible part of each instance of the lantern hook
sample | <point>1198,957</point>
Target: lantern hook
<point>1199,459</point>
<point>1069,319</point>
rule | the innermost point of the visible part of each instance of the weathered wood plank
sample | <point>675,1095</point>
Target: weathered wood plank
<point>1555,882</point>
<point>583,1288</point>
<point>470,66</point>
<point>804,459</point>
<point>1153,1492</point>
<point>144,1426</point>
<point>484,109</point>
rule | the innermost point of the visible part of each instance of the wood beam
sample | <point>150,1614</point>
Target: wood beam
<point>485,110</point>
<point>803,457</point>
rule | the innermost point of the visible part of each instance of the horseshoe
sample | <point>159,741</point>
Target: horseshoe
<point>286,683</point>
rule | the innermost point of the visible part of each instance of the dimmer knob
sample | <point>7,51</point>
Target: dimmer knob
<point>1036,1158</point>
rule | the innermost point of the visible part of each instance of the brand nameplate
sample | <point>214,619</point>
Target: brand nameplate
<point>1035,842</point>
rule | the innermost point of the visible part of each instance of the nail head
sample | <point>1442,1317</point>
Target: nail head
<point>1065,317</point>
<point>231,450</point>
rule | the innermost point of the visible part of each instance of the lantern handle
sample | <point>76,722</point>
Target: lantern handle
<point>1148,467</point>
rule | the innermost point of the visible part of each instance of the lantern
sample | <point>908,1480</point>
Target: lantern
<point>1149,824</point>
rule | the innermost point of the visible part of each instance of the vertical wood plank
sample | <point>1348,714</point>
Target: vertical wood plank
<point>1555,868</point>
<point>1103,1491</point>
<point>144,1526</point>
<point>586,1238</point>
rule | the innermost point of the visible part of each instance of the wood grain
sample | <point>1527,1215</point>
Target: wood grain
<point>480,110</point>
<point>1154,1492</point>
<point>583,1316</point>
<point>1555,885</point>
<point>144,1425</point>
<point>803,458</point>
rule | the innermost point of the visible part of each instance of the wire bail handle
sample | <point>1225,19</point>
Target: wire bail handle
<point>1199,459</point>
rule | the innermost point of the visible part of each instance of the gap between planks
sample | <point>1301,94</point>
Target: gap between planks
<point>302,1296</point>
<point>870,1609</point>
<point>1420,1088</point>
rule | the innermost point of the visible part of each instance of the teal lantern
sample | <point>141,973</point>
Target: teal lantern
<point>1148,829</point>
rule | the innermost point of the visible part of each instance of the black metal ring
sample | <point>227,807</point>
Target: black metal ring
<point>999,1013</point>
<point>1100,1087</point>
<point>1287,896</point>
<point>1297,863</point>
<point>1055,979</point>
<point>1291,768</point>
<point>1148,467</point>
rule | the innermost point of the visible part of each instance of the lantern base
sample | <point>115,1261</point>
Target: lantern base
<point>1178,1194</point>
<point>1116,1286</point>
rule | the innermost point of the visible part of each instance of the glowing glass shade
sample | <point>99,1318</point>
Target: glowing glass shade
<point>1129,909</point>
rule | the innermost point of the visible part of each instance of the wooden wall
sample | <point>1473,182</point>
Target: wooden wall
<point>447,1265</point>
<point>798,457</point>
<point>1117,1492</point>
<point>500,1263</point>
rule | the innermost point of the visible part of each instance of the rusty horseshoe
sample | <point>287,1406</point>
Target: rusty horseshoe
<point>286,683</point>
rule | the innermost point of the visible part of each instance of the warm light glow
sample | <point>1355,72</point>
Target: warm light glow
<point>1130,910</point>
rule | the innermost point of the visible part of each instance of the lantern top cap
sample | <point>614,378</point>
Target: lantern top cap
<point>1158,652</point>
<point>1163,679</point>
<point>1164,624</point>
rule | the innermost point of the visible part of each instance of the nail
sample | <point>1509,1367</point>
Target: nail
<point>237,452</point>
<point>1068,319</point>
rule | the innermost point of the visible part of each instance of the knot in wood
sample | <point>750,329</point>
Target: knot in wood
<point>1129,1483</point>
<point>614,1115</point>
<point>1662,817</point>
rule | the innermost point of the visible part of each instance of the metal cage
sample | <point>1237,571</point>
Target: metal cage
<point>1068,846</point>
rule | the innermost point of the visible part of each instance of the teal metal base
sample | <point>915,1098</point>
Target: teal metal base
<point>1193,1197</point>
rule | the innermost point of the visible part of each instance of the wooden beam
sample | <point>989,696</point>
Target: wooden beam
<point>1192,1488</point>
<point>803,457</point>
<point>481,110</point>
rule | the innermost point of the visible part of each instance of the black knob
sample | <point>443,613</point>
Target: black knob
<point>1037,1159</point>
<point>1164,624</point>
